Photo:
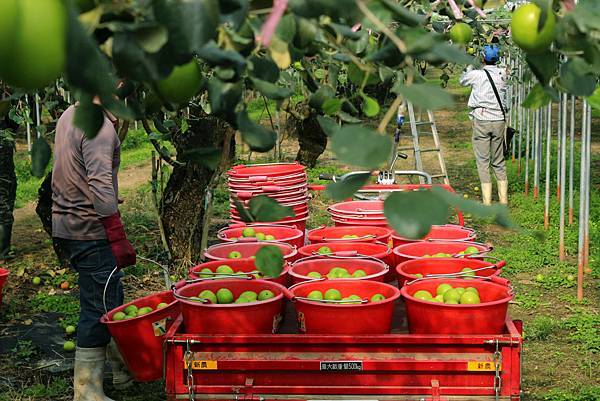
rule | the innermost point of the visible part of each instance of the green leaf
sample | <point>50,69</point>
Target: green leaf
<point>269,260</point>
<point>370,107</point>
<point>152,38</point>
<point>356,76</point>
<point>242,211</point>
<point>191,24</point>
<point>425,96</point>
<point>259,138</point>
<point>131,60</point>
<point>577,77</point>
<point>451,53</point>
<point>328,125</point>
<point>347,187</point>
<point>543,65</point>
<point>345,30</point>
<point>286,29</point>
<point>271,90</point>
<point>118,108</point>
<point>89,117</point>
<point>538,97</point>
<point>264,69</point>
<point>593,100</point>
<point>306,31</point>
<point>265,209</point>
<point>361,146</point>
<point>498,213</point>
<point>224,96</point>
<point>209,157</point>
<point>234,12</point>
<point>40,157</point>
<point>413,213</point>
<point>332,106</point>
<point>317,99</point>
<point>404,15</point>
<point>91,71</point>
<point>213,55</point>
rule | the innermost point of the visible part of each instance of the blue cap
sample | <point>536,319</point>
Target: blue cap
<point>491,53</point>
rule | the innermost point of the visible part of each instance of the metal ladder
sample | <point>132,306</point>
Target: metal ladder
<point>416,147</point>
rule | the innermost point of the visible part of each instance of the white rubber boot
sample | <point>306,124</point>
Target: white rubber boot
<point>503,192</point>
<point>486,193</point>
<point>89,374</point>
<point>122,379</point>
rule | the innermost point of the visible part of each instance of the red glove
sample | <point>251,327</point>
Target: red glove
<point>115,233</point>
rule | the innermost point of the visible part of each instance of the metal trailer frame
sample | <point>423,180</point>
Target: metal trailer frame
<point>300,367</point>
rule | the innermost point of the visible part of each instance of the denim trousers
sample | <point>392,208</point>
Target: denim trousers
<point>94,261</point>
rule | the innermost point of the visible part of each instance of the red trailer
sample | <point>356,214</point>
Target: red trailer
<point>298,367</point>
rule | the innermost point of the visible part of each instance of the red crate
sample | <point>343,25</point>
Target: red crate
<point>294,367</point>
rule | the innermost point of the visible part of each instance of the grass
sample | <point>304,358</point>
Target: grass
<point>135,151</point>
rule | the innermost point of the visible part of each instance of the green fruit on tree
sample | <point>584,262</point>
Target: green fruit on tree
<point>359,273</point>
<point>270,237</point>
<point>70,329</point>
<point>118,316</point>
<point>378,298</point>
<point>461,33</point>
<point>315,295</point>
<point>260,236</point>
<point>442,288</point>
<point>248,232</point>
<point>324,250</point>
<point>314,275</point>
<point>333,295</point>
<point>234,255</point>
<point>182,84</point>
<point>206,273</point>
<point>469,298</point>
<point>162,305</point>
<point>69,346</point>
<point>525,32</point>
<point>131,310</point>
<point>452,294</point>
<point>36,281</point>
<point>250,295</point>
<point>422,294</point>
<point>265,294</point>
<point>224,296</point>
<point>224,269</point>
<point>471,51</point>
<point>38,42</point>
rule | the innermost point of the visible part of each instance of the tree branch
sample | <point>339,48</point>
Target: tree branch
<point>165,156</point>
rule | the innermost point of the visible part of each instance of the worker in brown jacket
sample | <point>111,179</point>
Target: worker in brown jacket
<point>86,220</point>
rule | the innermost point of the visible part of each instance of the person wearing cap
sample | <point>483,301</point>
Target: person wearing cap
<point>87,223</point>
<point>488,107</point>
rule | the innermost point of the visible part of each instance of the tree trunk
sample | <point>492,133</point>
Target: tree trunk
<point>312,140</point>
<point>184,196</point>
<point>44,212</point>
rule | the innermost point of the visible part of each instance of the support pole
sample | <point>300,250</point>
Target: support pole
<point>548,165</point>
<point>527,142</point>
<point>588,159</point>
<point>520,111</point>
<point>562,177</point>
<point>558,136</point>
<point>582,206</point>
<point>537,151</point>
<point>571,158</point>
<point>27,124</point>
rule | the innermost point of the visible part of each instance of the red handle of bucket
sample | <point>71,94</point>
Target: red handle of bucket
<point>244,194</point>
<point>272,188</point>
<point>345,253</point>
<point>258,178</point>
<point>500,264</point>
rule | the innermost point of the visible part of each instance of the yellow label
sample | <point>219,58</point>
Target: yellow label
<point>478,366</point>
<point>202,365</point>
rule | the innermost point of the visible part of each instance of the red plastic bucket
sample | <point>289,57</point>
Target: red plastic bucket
<point>289,235</point>
<point>248,249</point>
<point>375,269</point>
<point>416,250</point>
<point>336,234</point>
<point>343,222</point>
<point>140,339</point>
<point>435,266</point>
<point>487,317</point>
<point>440,233</point>
<point>357,208</point>
<point>238,265</point>
<point>248,318</point>
<point>262,171</point>
<point>3,277</point>
<point>299,221</point>
<point>351,249</point>
<point>321,318</point>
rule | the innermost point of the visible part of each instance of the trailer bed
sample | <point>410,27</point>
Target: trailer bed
<point>291,366</point>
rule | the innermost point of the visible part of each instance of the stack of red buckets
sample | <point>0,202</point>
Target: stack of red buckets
<point>287,183</point>
<point>358,213</point>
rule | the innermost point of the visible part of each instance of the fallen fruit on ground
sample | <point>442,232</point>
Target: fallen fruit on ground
<point>36,281</point>
<point>70,329</point>
<point>64,285</point>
